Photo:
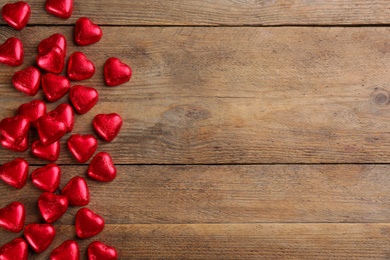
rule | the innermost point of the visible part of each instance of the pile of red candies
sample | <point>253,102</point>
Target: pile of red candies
<point>51,127</point>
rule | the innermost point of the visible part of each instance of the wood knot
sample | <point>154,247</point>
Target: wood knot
<point>185,114</point>
<point>381,97</point>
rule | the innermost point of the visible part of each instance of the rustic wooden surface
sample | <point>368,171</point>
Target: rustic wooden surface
<point>252,129</point>
<point>240,241</point>
<point>230,194</point>
<point>222,12</point>
<point>236,95</point>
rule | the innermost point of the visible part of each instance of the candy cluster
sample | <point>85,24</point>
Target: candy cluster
<point>51,127</point>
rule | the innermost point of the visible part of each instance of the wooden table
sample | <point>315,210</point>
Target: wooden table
<point>252,129</point>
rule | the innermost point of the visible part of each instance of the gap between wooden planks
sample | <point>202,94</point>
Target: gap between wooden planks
<point>235,95</point>
<point>221,12</point>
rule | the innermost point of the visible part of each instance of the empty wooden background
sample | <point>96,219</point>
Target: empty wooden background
<point>252,129</point>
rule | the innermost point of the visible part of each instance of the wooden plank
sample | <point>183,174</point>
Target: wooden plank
<point>235,95</point>
<point>222,12</point>
<point>237,241</point>
<point>228,194</point>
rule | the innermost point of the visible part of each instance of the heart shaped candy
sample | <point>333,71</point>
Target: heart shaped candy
<point>52,206</point>
<point>107,125</point>
<point>21,147</point>
<point>102,168</point>
<point>32,110</point>
<point>11,52</point>
<point>88,223</point>
<point>83,98</point>
<point>47,178</point>
<point>56,39</point>
<point>52,60</point>
<point>14,129</point>
<point>82,147</point>
<point>116,72</point>
<point>46,152</point>
<point>17,249</point>
<point>80,67</point>
<point>77,192</point>
<point>39,236</point>
<point>69,250</point>
<point>60,8</point>
<point>15,172</point>
<point>12,217</point>
<point>99,250</point>
<point>49,129</point>
<point>54,86</point>
<point>17,14</point>
<point>14,133</point>
<point>27,80</point>
<point>64,113</point>
<point>86,32</point>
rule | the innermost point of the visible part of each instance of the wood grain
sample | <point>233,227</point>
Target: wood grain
<point>221,12</point>
<point>239,241</point>
<point>228,194</point>
<point>236,95</point>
